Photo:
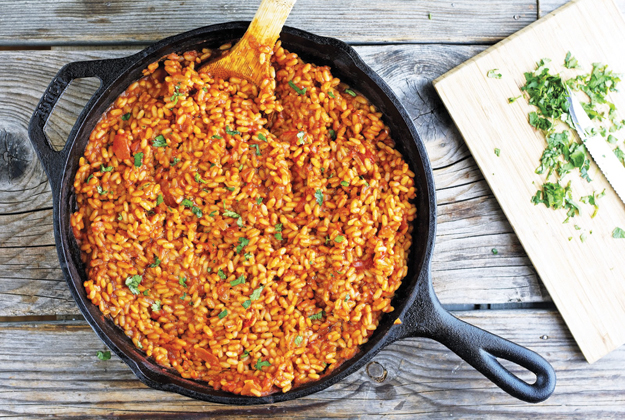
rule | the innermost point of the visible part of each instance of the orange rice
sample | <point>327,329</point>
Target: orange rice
<point>250,237</point>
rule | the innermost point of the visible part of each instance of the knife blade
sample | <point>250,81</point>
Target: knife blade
<point>599,149</point>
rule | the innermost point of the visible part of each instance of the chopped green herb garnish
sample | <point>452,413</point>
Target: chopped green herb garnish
<point>612,140</point>
<point>620,155</point>
<point>332,134</point>
<point>223,314</point>
<point>187,203</point>
<point>159,199</point>
<point>339,239</point>
<point>300,137</point>
<point>262,137</point>
<point>429,16</point>
<point>221,274</point>
<point>205,89</point>
<point>260,365</point>
<point>197,211</point>
<point>278,236</point>
<point>592,200</point>
<point>582,237</point>
<point>556,196</point>
<point>120,217</point>
<point>101,190</point>
<point>230,213</point>
<point>182,281</point>
<point>156,306</point>
<point>247,304</point>
<point>229,188</point>
<point>298,340</point>
<point>350,92</point>
<point>257,149</point>
<point>126,117</point>
<point>278,227</point>
<point>493,74</point>
<point>346,298</point>
<point>494,251</point>
<point>139,159</point>
<point>318,315</point>
<point>238,281</point>
<point>199,179</point>
<point>159,141</point>
<point>89,178</point>
<point>259,200</point>
<point>256,293</point>
<point>106,168</point>
<point>345,183</point>
<point>296,89</point>
<point>213,213</point>
<point>327,239</point>
<point>215,136</point>
<point>570,62</point>
<point>512,100</point>
<point>319,196</point>
<point>133,283</point>
<point>176,160</point>
<point>104,355</point>
<point>184,296</point>
<point>243,242</point>
<point>245,354</point>
<point>497,152</point>
<point>174,97</point>
<point>156,263</point>
<point>539,122</point>
<point>618,233</point>
<point>247,255</point>
<point>240,222</point>
<point>331,95</point>
<point>232,132</point>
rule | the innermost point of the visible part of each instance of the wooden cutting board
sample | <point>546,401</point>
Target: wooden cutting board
<point>585,279</point>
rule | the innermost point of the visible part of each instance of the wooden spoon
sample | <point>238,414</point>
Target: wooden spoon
<point>249,58</point>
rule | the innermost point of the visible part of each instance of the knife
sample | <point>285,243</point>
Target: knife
<point>599,149</point>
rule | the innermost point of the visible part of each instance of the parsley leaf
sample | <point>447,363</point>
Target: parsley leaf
<point>262,137</point>
<point>259,200</point>
<point>350,92</point>
<point>101,190</point>
<point>592,200</point>
<point>260,365</point>
<point>512,100</point>
<point>240,222</point>
<point>232,132</point>
<point>497,152</point>
<point>257,149</point>
<point>339,239</point>
<point>215,136</point>
<point>106,168</point>
<point>182,281</point>
<point>104,355</point>
<point>570,62</point>
<point>493,74</point>
<point>247,255</point>
<point>618,233</point>
<point>176,160</point>
<point>620,155</point>
<point>494,251</point>
<point>539,122</point>
<point>174,97</point>
<point>221,274</point>
<point>199,179</point>
<point>156,306</point>
<point>197,211</point>
<point>331,95</point>
<point>300,137</point>
<point>230,213</point>
<point>89,178</point>
<point>243,242</point>
<point>345,183</point>
<point>238,281</point>
<point>247,304</point>
<point>212,213</point>
<point>156,263</point>
<point>332,134</point>
<point>278,227</point>
<point>159,200</point>
<point>126,117</point>
<point>187,203</point>
<point>278,236</point>
<point>318,315</point>
<point>296,89</point>
<point>133,283</point>
<point>223,314</point>
<point>159,141</point>
<point>319,197</point>
<point>298,340</point>
<point>139,159</point>
<point>256,293</point>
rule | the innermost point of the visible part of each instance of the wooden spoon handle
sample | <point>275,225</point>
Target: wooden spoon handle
<point>268,21</point>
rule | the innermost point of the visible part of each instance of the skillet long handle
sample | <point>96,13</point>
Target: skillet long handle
<point>481,349</point>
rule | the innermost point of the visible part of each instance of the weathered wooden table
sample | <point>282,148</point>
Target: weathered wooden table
<point>48,363</point>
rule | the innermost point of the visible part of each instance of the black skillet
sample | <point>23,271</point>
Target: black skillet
<point>415,303</point>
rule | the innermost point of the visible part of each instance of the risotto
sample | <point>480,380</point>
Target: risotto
<point>250,237</point>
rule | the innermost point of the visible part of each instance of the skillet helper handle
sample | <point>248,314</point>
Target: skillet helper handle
<point>481,349</point>
<point>54,161</point>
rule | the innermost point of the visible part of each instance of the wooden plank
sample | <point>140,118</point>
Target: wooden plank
<point>53,22</point>
<point>547,6</point>
<point>470,222</point>
<point>51,369</point>
<point>568,266</point>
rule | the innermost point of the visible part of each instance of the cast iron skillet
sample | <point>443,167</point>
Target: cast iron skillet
<point>415,303</point>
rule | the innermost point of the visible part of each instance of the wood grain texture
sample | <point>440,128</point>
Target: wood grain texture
<point>54,22</point>
<point>51,369</point>
<point>547,6</point>
<point>470,222</point>
<point>585,279</point>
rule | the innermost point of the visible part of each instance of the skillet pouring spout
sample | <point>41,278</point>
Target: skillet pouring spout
<point>481,349</point>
